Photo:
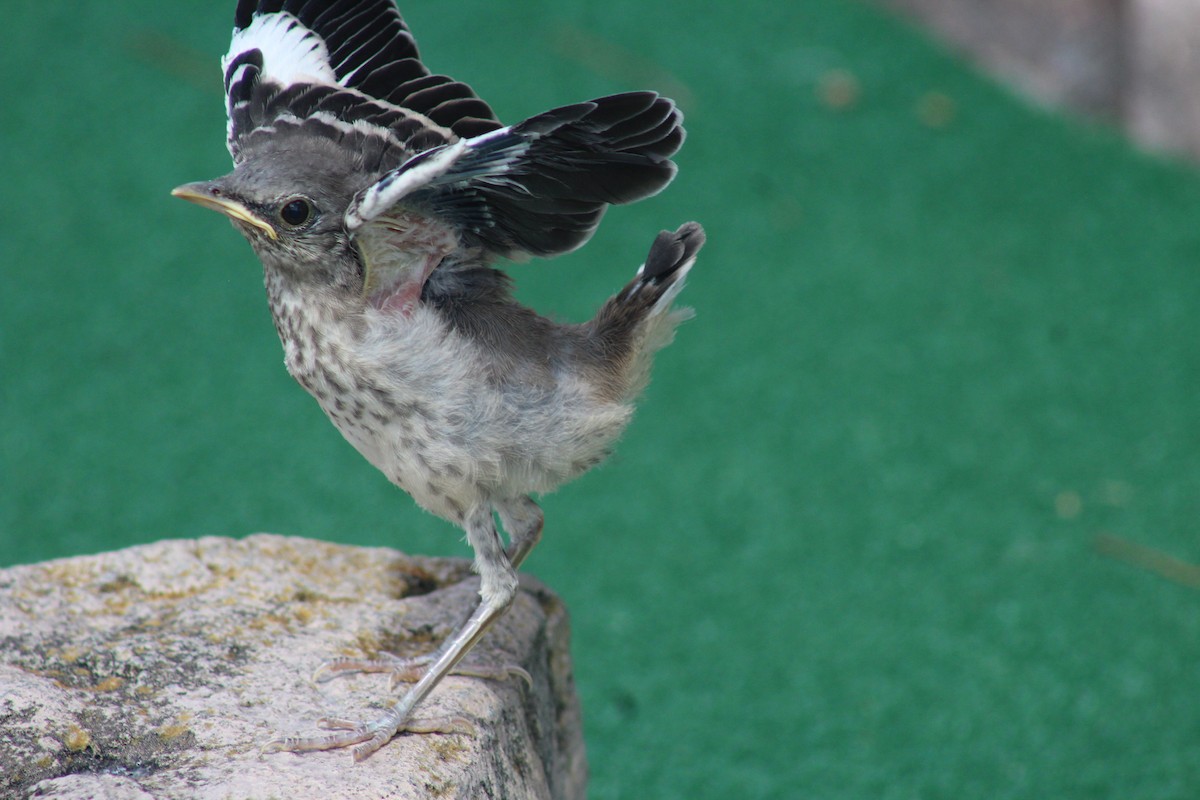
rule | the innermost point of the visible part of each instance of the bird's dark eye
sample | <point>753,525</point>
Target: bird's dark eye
<point>296,212</point>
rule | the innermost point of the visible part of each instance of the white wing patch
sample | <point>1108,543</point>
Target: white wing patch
<point>428,168</point>
<point>291,52</point>
<point>396,184</point>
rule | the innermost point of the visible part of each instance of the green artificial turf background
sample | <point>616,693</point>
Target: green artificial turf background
<point>896,517</point>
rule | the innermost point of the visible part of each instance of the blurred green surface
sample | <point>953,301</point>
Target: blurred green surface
<point>893,518</point>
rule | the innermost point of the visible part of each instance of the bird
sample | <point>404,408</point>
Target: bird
<point>382,200</point>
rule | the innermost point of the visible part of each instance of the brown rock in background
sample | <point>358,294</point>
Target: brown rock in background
<point>1135,63</point>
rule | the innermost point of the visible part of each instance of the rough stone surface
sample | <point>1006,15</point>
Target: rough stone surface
<point>160,671</point>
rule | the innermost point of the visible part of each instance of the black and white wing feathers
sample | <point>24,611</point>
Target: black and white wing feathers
<point>539,187</point>
<point>347,65</point>
<point>349,70</point>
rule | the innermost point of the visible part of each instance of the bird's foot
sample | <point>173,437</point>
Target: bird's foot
<point>407,670</point>
<point>367,737</point>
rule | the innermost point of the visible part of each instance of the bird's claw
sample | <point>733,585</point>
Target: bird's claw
<point>502,673</point>
<point>366,737</point>
<point>408,670</point>
<point>402,669</point>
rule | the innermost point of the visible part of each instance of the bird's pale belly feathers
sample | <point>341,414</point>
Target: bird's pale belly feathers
<point>405,390</point>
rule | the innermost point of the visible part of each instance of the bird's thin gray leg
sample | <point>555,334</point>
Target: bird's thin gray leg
<point>498,587</point>
<point>523,520</point>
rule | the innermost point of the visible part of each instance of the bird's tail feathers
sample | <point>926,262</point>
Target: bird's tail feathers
<point>639,320</point>
<point>662,276</point>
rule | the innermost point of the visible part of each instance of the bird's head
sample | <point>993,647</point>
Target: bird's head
<point>289,200</point>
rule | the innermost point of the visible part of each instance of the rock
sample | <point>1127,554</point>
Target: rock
<point>1062,52</point>
<point>1134,62</point>
<point>159,672</point>
<point>1164,67</point>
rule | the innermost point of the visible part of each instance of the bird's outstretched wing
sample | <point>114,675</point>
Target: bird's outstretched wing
<point>539,187</point>
<point>340,67</point>
<point>349,70</point>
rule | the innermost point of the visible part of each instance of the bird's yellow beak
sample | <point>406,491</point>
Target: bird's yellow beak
<point>203,194</point>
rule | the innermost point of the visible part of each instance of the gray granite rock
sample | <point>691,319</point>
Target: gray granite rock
<point>159,672</point>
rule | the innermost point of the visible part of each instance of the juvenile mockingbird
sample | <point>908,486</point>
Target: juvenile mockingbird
<point>378,196</point>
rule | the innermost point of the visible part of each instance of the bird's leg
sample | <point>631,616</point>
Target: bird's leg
<point>498,587</point>
<point>522,519</point>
